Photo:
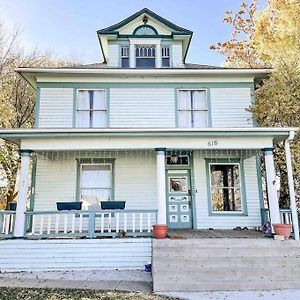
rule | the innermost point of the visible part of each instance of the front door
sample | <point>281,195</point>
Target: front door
<point>179,202</point>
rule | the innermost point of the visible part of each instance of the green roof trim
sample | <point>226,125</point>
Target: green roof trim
<point>116,26</point>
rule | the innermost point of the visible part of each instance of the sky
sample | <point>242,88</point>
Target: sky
<point>68,27</point>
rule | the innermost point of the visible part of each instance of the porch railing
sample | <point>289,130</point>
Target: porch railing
<point>7,223</point>
<point>91,224</point>
<point>285,215</point>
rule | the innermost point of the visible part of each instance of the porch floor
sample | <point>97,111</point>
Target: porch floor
<point>215,233</point>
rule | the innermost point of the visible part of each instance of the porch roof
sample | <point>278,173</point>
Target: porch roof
<point>256,137</point>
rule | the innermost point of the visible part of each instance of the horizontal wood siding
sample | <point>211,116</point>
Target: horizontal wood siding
<point>205,221</point>
<point>55,181</point>
<point>228,107</point>
<point>142,107</point>
<point>54,255</point>
<point>56,108</point>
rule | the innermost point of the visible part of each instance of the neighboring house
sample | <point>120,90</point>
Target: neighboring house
<point>172,139</point>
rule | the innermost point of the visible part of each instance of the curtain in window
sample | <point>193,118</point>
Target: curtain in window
<point>184,115</point>
<point>95,183</point>
<point>83,107</point>
<point>99,113</point>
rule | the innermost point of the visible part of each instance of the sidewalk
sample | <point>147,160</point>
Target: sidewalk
<point>116,280</point>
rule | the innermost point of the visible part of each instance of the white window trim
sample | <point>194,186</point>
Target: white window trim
<point>178,102</point>
<point>214,212</point>
<point>106,106</point>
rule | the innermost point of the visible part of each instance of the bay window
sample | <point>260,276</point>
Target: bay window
<point>91,109</point>
<point>192,109</point>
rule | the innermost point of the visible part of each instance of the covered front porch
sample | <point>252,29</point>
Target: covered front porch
<point>139,170</point>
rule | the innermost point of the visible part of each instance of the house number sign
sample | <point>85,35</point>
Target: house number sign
<point>212,143</point>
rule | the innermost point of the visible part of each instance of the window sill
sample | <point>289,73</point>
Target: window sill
<point>228,214</point>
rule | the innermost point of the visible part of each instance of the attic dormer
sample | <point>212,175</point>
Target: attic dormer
<point>144,40</point>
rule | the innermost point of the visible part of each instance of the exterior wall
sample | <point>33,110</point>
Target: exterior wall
<point>205,221</point>
<point>142,107</point>
<point>134,181</point>
<point>228,107</point>
<point>55,108</point>
<point>114,54</point>
<point>176,56</point>
<point>65,255</point>
<point>153,106</point>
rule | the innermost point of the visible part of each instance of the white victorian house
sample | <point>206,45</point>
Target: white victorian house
<point>162,140</point>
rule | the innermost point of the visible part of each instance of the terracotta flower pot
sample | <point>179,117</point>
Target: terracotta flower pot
<point>283,229</point>
<point>160,231</point>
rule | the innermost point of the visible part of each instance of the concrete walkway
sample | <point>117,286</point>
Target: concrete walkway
<point>237,295</point>
<point>117,280</point>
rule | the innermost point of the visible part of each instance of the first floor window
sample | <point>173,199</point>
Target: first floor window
<point>192,109</point>
<point>95,184</point>
<point>225,187</point>
<point>91,109</point>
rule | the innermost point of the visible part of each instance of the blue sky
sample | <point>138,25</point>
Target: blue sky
<point>68,27</point>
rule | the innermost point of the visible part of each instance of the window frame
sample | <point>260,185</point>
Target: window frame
<point>207,105</point>
<point>103,110</point>
<point>153,57</point>
<point>122,56</point>
<point>229,161</point>
<point>162,56</point>
<point>95,161</point>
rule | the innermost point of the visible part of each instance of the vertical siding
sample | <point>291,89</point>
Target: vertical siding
<point>133,107</point>
<point>113,59</point>
<point>252,197</point>
<point>56,108</point>
<point>55,181</point>
<point>177,56</point>
<point>228,107</point>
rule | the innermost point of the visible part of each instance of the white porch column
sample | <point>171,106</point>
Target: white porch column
<point>161,185</point>
<point>271,186</point>
<point>293,205</point>
<point>22,194</point>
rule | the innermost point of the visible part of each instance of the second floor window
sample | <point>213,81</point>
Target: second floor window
<point>145,56</point>
<point>192,109</point>
<point>91,109</point>
<point>125,57</point>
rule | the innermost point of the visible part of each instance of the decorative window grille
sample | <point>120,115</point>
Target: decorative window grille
<point>165,56</point>
<point>125,56</point>
<point>145,56</point>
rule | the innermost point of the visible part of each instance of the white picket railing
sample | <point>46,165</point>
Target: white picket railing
<point>7,222</point>
<point>81,223</point>
<point>285,215</point>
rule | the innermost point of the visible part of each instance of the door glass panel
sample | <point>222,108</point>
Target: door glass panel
<point>178,184</point>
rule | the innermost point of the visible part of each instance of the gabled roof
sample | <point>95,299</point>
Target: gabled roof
<point>149,12</point>
<point>114,32</point>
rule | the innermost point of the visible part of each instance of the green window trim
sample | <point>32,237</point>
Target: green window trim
<point>244,212</point>
<point>107,103</point>
<point>103,161</point>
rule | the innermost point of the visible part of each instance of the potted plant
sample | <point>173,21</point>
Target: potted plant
<point>160,231</point>
<point>283,229</point>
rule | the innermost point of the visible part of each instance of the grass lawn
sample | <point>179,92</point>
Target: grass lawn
<point>61,294</point>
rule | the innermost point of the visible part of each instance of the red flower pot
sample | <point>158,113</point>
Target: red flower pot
<point>283,229</point>
<point>160,231</point>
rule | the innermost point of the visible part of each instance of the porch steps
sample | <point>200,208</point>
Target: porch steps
<point>225,264</point>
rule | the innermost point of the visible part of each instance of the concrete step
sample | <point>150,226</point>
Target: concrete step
<point>230,262</point>
<point>232,243</point>
<point>224,252</point>
<point>195,275</point>
<point>262,283</point>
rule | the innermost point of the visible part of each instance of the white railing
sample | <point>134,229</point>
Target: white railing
<point>285,215</point>
<point>7,222</point>
<point>80,223</point>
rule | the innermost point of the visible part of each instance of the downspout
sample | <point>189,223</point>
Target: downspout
<point>293,205</point>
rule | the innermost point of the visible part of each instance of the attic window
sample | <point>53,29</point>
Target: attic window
<point>125,56</point>
<point>145,30</point>
<point>145,56</point>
